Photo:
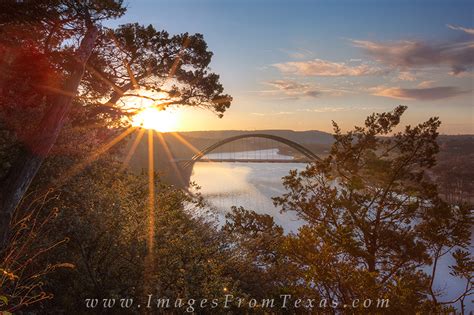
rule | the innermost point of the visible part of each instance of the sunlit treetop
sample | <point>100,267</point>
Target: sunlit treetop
<point>131,57</point>
<point>142,58</point>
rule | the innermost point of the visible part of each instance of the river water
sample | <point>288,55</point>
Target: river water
<point>252,185</point>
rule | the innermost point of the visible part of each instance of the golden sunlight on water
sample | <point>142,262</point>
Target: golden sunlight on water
<point>250,185</point>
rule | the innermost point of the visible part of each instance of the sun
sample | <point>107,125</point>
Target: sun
<point>148,110</point>
<point>162,120</point>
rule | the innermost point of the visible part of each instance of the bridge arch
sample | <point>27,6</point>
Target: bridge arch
<point>306,152</point>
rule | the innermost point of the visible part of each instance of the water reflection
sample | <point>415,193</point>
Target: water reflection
<point>251,185</point>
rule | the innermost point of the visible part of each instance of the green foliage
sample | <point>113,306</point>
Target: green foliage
<point>177,66</point>
<point>257,248</point>
<point>38,42</point>
<point>105,215</point>
<point>373,219</point>
<point>103,211</point>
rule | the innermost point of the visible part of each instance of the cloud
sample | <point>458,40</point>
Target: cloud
<point>299,53</point>
<point>459,55</point>
<point>420,93</point>
<point>312,93</point>
<point>293,88</point>
<point>426,84</point>
<point>460,28</point>
<point>406,76</point>
<point>286,85</point>
<point>319,67</point>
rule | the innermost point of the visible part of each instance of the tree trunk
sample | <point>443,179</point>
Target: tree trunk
<point>21,174</point>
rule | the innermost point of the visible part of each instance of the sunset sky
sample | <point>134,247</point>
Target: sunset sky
<point>300,64</point>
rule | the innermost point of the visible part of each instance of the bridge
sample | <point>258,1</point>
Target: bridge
<point>308,155</point>
<point>244,148</point>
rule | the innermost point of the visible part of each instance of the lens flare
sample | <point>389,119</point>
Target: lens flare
<point>153,118</point>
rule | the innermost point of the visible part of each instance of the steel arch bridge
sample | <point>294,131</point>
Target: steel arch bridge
<point>306,152</point>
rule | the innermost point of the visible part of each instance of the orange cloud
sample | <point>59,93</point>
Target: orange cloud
<point>294,89</point>
<point>319,67</point>
<point>422,94</point>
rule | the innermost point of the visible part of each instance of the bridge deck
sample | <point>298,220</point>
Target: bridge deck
<point>247,161</point>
